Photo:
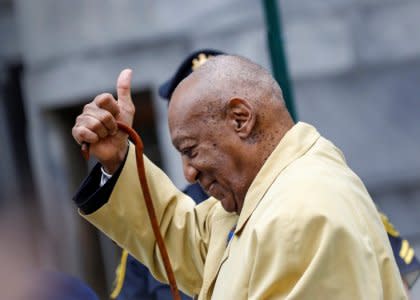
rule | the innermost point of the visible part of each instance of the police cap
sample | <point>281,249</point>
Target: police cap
<point>190,63</point>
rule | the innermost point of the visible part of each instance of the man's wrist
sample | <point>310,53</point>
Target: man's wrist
<point>92,194</point>
<point>112,165</point>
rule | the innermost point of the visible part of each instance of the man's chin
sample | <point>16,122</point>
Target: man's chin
<point>229,205</point>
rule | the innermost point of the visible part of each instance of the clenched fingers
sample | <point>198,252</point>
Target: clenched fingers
<point>102,115</point>
<point>84,135</point>
<point>107,102</point>
<point>97,121</point>
<point>93,124</point>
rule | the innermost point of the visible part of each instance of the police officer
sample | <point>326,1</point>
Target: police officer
<point>407,262</point>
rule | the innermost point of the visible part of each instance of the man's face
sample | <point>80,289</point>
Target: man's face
<point>209,151</point>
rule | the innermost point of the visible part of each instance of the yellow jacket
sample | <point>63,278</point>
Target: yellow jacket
<point>308,230</point>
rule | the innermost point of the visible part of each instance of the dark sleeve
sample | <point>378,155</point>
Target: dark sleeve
<point>404,255</point>
<point>196,193</point>
<point>90,196</point>
<point>406,260</point>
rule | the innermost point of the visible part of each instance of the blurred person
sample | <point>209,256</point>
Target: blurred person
<point>20,275</point>
<point>53,285</point>
<point>17,252</point>
<point>287,218</point>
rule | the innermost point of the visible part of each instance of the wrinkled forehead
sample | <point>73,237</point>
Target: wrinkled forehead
<point>187,97</point>
<point>184,108</point>
<point>182,101</point>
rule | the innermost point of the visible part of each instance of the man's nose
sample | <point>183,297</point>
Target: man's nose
<point>190,172</point>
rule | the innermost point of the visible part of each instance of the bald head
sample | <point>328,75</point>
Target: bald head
<point>222,78</point>
<point>233,76</point>
<point>227,111</point>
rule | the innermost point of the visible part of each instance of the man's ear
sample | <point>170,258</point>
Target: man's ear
<point>241,116</point>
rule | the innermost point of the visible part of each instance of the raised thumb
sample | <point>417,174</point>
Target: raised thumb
<point>124,86</point>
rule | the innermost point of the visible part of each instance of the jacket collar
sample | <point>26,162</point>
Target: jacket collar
<point>295,143</point>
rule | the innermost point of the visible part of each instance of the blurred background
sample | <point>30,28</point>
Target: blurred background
<point>355,73</point>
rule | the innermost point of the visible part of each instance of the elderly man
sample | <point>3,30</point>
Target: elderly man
<point>287,217</point>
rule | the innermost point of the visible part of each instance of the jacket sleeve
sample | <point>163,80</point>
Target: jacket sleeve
<point>184,226</point>
<point>91,196</point>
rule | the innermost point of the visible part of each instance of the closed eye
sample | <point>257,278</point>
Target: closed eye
<point>188,152</point>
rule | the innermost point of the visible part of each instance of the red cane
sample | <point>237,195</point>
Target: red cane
<point>149,204</point>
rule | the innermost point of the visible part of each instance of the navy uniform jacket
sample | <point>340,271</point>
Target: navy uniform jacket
<point>407,262</point>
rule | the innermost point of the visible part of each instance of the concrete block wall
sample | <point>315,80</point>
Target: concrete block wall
<point>356,70</point>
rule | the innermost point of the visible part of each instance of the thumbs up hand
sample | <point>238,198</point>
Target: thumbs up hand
<point>125,103</point>
<point>97,124</point>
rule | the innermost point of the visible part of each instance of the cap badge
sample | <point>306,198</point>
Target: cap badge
<point>197,62</point>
